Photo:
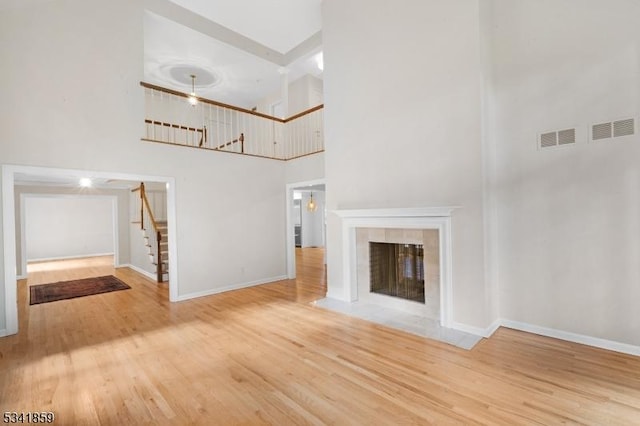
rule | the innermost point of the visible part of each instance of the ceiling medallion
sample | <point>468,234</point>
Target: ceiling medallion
<point>181,74</point>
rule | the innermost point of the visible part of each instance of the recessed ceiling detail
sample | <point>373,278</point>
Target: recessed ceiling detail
<point>181,74</point>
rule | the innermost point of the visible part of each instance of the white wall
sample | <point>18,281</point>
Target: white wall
<point>122,201</point>
<point>303,94</point>
<point>403,125</point>
<point>304,169</point>
<point>64,227</point>
<point>569,217</point>
<point>86,112</point>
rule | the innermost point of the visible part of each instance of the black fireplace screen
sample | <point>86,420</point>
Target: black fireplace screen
<point>397,270</point>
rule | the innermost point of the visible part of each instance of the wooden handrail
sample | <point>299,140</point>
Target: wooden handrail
<point>143,204</point>
<point>203,130</point>
<point>303,113</point>
<point>240,139</point>
<point>209,101</point>
<point>175,126</point>
<point>232,152</point>
<point>232,107</point>
<point>149,212</point>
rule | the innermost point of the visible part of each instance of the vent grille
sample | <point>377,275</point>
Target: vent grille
<point>557,138</point>
<point>548,139</point>
<point>624,128</point>
<point>601,131</point>
<point>613,129</point>
<point>566,137</point>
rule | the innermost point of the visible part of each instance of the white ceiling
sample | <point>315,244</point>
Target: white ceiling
<point>219,40</point>
<point>278,24</point>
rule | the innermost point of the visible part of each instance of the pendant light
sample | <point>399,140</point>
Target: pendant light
<point>193,99</point>
<point>312,206</point>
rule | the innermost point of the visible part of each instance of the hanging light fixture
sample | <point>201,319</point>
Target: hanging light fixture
<point>193,99</point>
<point>312,206</point>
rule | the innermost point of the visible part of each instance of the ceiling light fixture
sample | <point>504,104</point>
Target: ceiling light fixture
<point>312,206</point>
<point>193,99</point>
<point>85,182</point>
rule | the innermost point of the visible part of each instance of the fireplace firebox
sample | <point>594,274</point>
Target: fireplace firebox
<point>397,270</point>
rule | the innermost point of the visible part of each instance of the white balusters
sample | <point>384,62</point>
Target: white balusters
<point>169,118</point>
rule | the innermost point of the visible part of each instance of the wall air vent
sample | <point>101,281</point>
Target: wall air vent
<point>615,129</point>
<point>548,139</point>
<point>601,131</point>
<point>566,137</point>
<point>624,128</point>
<point>560,137</point>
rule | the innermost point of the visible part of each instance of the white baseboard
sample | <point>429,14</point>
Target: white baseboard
<point>573,337</point>
<point>21,277</point>
<point>477,331</point>
<point>79,256</point>
<point>229,288</point>
<point>3,332</point>
<point>549,332</point>
<point>141,271</point>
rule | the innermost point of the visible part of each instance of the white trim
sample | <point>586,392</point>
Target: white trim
<point>414,212</point>
<point>9,235</point>
<point>399,218</point>
<point>573,337</point>
<point>477,331</point>
<point>10,261</point>
<point>79,256</point>
<point>141,271</point>
<point>3,332</point>
<point>22,277</point>
<point>550,332</point>
<point>291,244</point>
<point>172,230</point>
<point>230,288</point>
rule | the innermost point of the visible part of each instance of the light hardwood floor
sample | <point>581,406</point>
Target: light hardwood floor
<point>264,355</point>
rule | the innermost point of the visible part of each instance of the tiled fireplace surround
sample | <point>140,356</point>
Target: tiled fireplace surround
<point>430,226</point>
<point>429,239</point>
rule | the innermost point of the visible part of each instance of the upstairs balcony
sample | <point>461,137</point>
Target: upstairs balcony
<point>177,118</point>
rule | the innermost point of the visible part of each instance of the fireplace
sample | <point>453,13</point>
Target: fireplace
<point>397,270</point>
<point>428,227</point>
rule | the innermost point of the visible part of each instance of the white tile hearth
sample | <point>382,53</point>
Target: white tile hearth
<point>400,320</point>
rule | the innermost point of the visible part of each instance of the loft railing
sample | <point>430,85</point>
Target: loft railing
<point>217,126</point>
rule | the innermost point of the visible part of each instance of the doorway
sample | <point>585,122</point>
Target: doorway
<point>306,220</point>
<point>11,174</point>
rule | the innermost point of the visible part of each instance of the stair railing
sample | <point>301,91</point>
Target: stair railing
<point>222,127</point>
<point>144,205</point>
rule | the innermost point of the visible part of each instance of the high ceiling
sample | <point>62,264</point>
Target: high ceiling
<point>237,49</point>
<point>278,24</point>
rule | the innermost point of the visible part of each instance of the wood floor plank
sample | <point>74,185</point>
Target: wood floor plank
<point>265,355</point>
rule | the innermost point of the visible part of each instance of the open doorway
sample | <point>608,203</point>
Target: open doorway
<point>306,224</point>
<point>50,181</point>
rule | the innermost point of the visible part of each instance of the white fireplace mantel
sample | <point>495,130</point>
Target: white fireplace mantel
<point>397,212</point>
<point>408,218</point>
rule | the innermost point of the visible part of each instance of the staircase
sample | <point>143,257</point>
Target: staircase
<point>150,241</point>
<point>156,237</point>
